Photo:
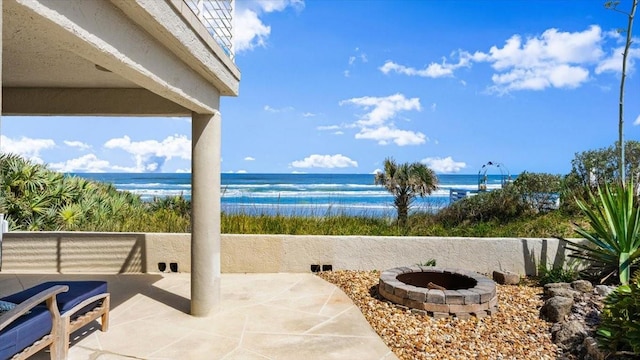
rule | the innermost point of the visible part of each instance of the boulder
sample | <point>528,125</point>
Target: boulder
<point>548,287</point>
<point>506,278</point>
<point>591,349</point>
<point>556,308</point>
<point>570,335</point>
<point>604,290</point>
<point>568,293</point>
<point>582,286</point>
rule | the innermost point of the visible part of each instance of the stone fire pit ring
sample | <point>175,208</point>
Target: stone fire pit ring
<point>467,293</point>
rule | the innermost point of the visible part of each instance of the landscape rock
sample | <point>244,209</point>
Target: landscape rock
<point>584,286</point>
<point>574,333</point>
<point>548,287</point>
<point>556,308</point>
<point>604,290</point>
<point>568,293</point>
<point>506,278</point>
<point>591,350</point>
<point>569,335</point>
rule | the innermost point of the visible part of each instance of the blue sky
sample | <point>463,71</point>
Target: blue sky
<point>337,86</point>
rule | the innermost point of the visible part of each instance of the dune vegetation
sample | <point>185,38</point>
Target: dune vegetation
<point>34,198</point>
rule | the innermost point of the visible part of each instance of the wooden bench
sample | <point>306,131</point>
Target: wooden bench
<point>68,306</point>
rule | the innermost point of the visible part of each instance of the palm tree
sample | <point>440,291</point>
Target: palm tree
<point>405,182</point>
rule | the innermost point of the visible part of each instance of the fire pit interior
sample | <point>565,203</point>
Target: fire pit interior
<point>440,292</point>
<point>427,279</point>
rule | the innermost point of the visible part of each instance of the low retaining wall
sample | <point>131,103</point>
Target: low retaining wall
<point>78,252</point>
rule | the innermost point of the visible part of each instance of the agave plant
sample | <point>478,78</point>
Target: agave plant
<point>613,240</point>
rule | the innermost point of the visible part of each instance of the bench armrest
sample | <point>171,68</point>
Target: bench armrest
<point>48,296</point>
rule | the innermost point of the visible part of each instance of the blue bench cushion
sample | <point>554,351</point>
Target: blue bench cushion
<point>24,331</point>
<point>78,292</point>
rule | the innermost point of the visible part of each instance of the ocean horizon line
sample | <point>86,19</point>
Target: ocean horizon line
<point>268,173</point>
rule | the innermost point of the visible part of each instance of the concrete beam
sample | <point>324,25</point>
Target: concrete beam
<point>88,101</point>
<point>101,33</point>
<point>201,52</point>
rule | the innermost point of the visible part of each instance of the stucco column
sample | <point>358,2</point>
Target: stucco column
<point>0,67</point>
<point>205,217</point>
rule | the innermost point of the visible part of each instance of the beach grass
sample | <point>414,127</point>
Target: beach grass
<point>420,224</point>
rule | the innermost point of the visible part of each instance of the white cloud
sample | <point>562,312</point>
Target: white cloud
<point>275,110</point>
<point>150,155</point>
<point>377,123</point>
<point>249,158</point>
<point>85,163</point>
<point>553,59</point>
<point>382,108</point>
<point>433,70</point>
<point>444,165</point>
<point>249,31</point>
<point>308,114</point>
<point>241,172</point>
<point>384,134</point>
<point>325,161</point>
<point>353,60</point>
<point>77,144</point>
<point>26,147</point>
<point>339,132</point>
<point>377,171</point>
<point>328,127</point>
<point>552,47</point>
<point>637,121</point>
<point>183,171</point>
<point>613,62</point>
<point>558,76</point>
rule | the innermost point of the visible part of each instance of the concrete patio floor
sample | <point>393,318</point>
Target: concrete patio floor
<point>262,316</point>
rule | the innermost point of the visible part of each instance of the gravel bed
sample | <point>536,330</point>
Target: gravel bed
<point>515,332</point>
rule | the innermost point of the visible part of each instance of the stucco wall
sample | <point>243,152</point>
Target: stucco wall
<point>72,252</point>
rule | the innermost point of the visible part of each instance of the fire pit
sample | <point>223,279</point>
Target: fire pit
<point>440,292</point>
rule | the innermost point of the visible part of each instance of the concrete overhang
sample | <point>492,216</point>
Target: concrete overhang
<point>117,57</point>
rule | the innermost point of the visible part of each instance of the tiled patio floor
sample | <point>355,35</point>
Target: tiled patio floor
<point>262,316</point>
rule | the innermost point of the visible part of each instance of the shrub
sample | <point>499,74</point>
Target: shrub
<point>559,274</point>
<point>619,330</point>
<point>593,168</point>
<point>539,190</point>
<point>502,205</point>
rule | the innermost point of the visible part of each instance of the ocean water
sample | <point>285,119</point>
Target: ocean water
<point>293,194</point>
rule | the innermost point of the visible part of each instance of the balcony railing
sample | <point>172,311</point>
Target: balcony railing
<point>217,17</point>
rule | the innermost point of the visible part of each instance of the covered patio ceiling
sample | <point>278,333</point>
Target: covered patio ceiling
<point>147,57</point>
<point>128,58</point>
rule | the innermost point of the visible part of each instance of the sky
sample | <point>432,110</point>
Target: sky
<point>334,86</point>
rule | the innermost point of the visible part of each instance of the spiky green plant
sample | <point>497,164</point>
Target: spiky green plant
<point>613,240</point>
<point>619,329</point>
